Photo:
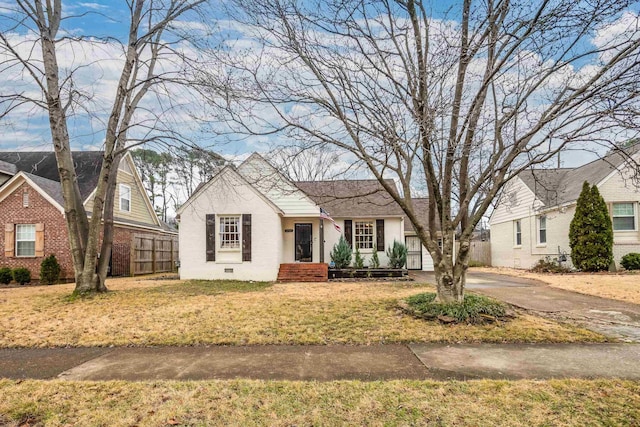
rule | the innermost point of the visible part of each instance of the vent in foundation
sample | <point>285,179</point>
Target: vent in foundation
<point>228,270</point>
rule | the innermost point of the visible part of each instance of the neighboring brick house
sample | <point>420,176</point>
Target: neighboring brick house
<point>32,214</point>
<point>532,217</point>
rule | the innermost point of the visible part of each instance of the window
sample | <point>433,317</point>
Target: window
<point>125,198</point>
<point>25,240</point>
<point>364,234</point>
<point>624,217</point>
<point>229,232</point>
<point>542,229</point>
<point>517,230</point>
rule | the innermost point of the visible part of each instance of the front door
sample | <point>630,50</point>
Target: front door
<point>304,243</point>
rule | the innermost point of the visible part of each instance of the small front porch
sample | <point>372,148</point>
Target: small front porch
<point>303,250</point>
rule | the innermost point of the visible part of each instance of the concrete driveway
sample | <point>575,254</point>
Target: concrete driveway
<point>616,319</point>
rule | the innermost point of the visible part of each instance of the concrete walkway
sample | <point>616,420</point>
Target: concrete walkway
<point>613,318</point>
<point>326,363</point>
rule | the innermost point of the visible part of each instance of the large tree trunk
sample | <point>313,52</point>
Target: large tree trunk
<point>450,275</point>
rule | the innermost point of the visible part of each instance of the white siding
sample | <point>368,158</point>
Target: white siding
<point>228,194</point>
<point>393,229</point>
<point>517,201</point>
<point>621,188</point>
<point>277,188</point>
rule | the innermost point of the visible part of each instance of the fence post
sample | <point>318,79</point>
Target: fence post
<point>172,265</point>
<point>132,259</point>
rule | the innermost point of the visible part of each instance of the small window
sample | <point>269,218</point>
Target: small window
<point>364,234</point>
<point>624,217</point>
<point>517,230</point>
<point>25,199</point>
<point>125,198</point>
<point>229,232</point>
<point>25,240</point>
<point>542,229</point>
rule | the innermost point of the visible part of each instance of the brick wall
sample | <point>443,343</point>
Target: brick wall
<point>39,211</point>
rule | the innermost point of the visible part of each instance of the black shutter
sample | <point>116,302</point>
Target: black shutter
<point>380,235</point>
<point>246,237</point>
<point>211,237</point>
<point>348,234</point>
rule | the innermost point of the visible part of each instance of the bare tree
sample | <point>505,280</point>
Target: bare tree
<point>315,163</point>
<point>147,47</point>
<point>455,103</point>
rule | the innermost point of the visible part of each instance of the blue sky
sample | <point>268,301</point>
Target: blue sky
<point>101,19</point>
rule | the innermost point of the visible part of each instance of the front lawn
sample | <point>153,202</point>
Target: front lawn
<point>274,403</point>
<point>145,312</point>
<point>619,286</point>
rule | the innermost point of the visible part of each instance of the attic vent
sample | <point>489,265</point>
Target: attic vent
<point>25,199</point>
<point>228,270</point>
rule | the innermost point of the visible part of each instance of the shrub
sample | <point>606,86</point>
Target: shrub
<point>397,255</point>
<point>22,275</point>
<point>631,261</point>
<point>341,253</point>
<point>50,270</point>
<point>547,266</point>
<point>5,275</point>
<point>591,232</point>
<point>375,261</point>
<point>358,262</point>
<point>474,309</point>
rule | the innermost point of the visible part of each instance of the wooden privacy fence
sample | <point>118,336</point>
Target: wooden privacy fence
<point>153,254</point>
<point>479,253</point>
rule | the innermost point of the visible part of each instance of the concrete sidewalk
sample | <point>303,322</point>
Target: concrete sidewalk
<point>326,363</point>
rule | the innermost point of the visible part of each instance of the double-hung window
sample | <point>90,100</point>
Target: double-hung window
<point>364,234</point>
<point>229,232</point>
<point>125,198</point>
<point>25,240</point>
<point>542,229</point>
<point>517,232</point>
<point>624,218</point>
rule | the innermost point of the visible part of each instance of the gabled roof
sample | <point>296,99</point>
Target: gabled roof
<point>556,186</point>
<point>44,164</point>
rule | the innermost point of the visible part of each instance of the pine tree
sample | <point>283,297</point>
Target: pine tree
<point>341,253</point>
<point>591,232</point>
<point>358,262</point>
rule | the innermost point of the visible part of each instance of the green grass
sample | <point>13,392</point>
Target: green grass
<point>470,311</point>
<point>335,403</point>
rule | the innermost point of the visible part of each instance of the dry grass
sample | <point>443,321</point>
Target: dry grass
<point>150,312</point>
<point>618,286</point>
<point>275,403</point>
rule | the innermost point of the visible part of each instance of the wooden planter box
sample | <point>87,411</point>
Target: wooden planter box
<point>364,273</point>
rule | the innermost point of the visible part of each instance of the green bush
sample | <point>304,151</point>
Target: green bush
<point>375,261</point>
<point>631,261</point>
<point>474,309</point>
<point>22,275</point>
<point>50,270</point>
<point>341,253</point>
<point>397,255</point>
<point>591,232</point>
<point>5,275</point>
<point>358,262</point>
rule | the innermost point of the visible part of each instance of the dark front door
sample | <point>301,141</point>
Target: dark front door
<point>304,242</point>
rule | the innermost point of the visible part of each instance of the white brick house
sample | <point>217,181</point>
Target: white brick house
<point>247,222</point>
<point>532,217</point>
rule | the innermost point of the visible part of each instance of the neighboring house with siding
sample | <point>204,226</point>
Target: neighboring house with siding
<point>247,222</point>
<point>32,213</point>
<point>532,217</point>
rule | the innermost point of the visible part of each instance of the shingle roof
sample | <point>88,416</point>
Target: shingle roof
<point>52,188</point>
<point>358,198</point>
<point>557,186</point>
<point>43,164</point>
<point>8,168</point>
